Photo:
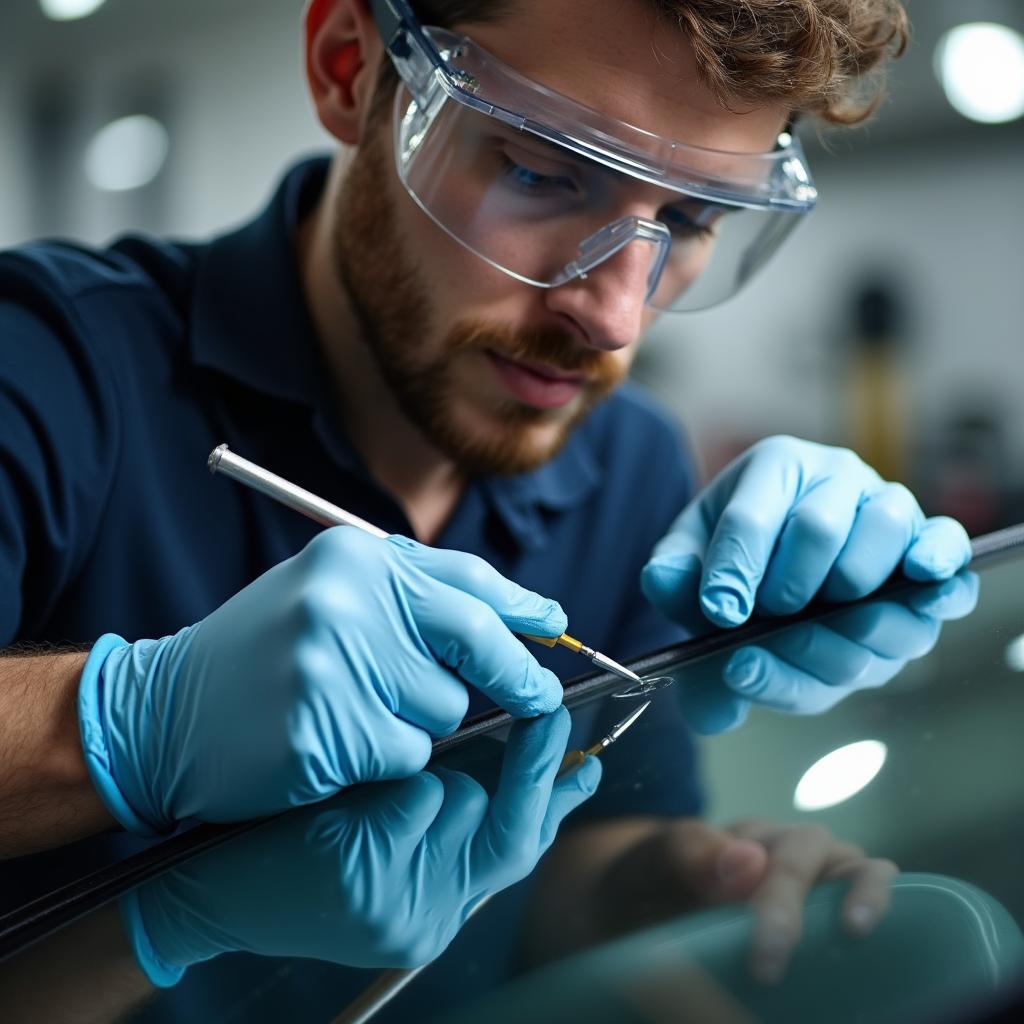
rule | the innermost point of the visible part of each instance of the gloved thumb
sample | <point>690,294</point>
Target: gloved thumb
<point>671,582</point>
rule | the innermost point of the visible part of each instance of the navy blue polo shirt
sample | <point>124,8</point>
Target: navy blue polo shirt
<point>122,368</point>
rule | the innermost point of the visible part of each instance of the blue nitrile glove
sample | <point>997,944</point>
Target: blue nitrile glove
<point>789,520</point>
<point>812,666</point>
<point>382,876</point>
<point>336,666</point>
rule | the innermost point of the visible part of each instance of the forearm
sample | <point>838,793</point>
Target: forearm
<point>46,796</point>
<point>84,974</point>
<point>568,902</point>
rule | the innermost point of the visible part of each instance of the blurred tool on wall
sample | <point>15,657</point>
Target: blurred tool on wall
<point>967,469</point>
<point>874,375</point>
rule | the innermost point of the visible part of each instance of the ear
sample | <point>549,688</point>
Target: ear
<point>343,53</point>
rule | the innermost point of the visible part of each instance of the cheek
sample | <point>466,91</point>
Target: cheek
<point>459,283</point>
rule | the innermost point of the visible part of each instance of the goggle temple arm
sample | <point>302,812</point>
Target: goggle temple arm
<point>415,57</point>
<point>613,238</point>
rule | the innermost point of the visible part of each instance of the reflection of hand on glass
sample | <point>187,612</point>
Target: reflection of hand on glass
<point>610,878</point>
<point>381,876</point>
<point>811,667</point>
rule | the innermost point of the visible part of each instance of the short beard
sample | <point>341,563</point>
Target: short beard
<point>389,300</point>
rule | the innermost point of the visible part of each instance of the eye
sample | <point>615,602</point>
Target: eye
<point>697,223</point>
<point>526,179</point>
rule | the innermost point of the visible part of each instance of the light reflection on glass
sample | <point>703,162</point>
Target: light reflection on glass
<point>839,775</point>
<point>1014,654</point>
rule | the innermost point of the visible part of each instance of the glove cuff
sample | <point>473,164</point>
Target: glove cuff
<point>159,972</point>
<point>94,737</point>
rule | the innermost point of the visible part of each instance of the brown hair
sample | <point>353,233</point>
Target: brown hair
<point>820,57</point>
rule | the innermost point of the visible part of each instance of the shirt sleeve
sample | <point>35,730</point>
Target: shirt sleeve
<point>58,448</point>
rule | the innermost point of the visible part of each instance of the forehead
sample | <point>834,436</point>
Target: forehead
<point>618,57</point>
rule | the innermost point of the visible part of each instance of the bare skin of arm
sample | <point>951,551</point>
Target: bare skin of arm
<point>46,796</point>
<point>84,974</point>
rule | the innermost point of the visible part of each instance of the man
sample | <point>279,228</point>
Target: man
<point>432,339</point>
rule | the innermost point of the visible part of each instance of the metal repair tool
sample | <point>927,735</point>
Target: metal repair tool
<point>574,758</point>
<point>223,460</point>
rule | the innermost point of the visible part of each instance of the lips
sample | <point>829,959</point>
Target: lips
<point>536,384</point>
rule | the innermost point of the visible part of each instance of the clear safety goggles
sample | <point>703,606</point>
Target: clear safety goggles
<point>546,189</point>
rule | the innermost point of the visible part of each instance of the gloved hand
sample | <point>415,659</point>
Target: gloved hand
<point>384,875</point>
<point>337,666</point>
<point>812,666</point>
<point>789,520</point>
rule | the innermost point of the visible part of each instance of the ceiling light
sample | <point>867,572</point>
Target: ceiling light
<point>68,10</point>
<point>981,68</point>
<point>837,776</point>
<point>127,153</point>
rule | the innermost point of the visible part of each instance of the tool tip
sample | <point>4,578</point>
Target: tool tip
<point>213,462</point>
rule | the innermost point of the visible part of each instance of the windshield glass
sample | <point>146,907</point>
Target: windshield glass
<point>873,751</point>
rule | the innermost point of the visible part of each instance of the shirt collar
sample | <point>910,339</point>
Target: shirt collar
<point>564,481</point>
<point>250,322</point>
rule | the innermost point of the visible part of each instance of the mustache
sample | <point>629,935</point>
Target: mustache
<point>548,345</point>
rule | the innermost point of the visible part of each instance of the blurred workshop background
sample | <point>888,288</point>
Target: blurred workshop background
<point>892,322</point>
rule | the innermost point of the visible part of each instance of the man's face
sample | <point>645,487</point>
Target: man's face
<point>493,371</point>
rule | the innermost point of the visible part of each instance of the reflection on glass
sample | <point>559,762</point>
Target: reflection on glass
<point>646,685</point>
<point>1015,654</point>
<point>641,905</point>
<point>383,875</point>
<point>811,667</point>
<point>839,775</point>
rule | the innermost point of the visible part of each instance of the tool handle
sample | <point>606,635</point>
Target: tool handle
<point>573,759</point>
<point>547,641</point>
<point>564,640</point>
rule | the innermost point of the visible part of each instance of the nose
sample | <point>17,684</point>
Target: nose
<point>608,305</point>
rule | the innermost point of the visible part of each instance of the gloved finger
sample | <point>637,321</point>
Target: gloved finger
<point>672,584</point>
<point>841,649</point>
<point>886,524</point>
<point>390,816</point>
<point>690,533</point>
<point>462,811</point>
<point>940,549</point>
<point>533,755</point>
<point>815,532</point>
<point>765,679</point>
<point>889,629</point>
<point>390,749</point>
<point>951,599</point>
<point>521,610</point>
<point>466,634</point>
<point>671,578</point>
<point>744,537</point>
<point>574,788</point>
<point>815,649</point>
<point>707,708</point>
<point>431,698</point>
